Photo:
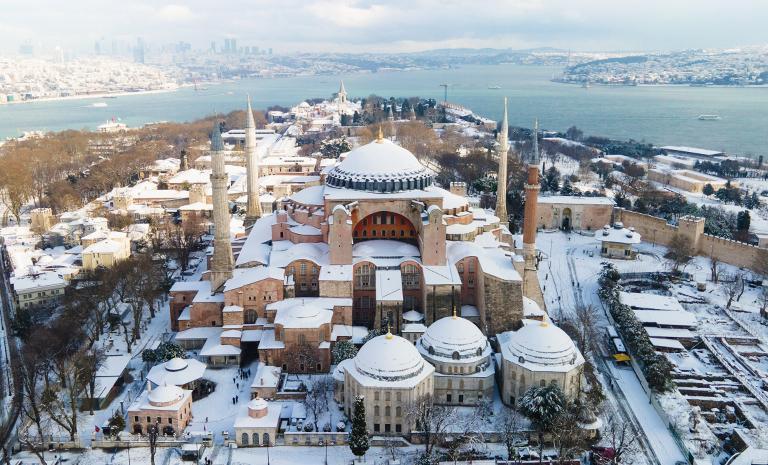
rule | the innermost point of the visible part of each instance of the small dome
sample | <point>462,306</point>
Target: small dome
<point>453,337</point>
<point>380,166</point>
<point>312,195</point>
<point>389,358</point>
<point>542,343</point>
<point>257,404</point>
<point>165,395</point>
<point>176,364</point>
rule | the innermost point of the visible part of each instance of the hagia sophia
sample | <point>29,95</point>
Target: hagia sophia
<point>375,244</point>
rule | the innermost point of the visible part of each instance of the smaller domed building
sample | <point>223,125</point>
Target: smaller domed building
<point>538,354</point>
<point>390,375</point>
<point>168,406</point>
<point>257,424</point>
<point>461,355</point>
<point>182,372</point>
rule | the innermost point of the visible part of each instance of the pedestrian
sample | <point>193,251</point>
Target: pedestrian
<point>237,399</point>
<point>206,419</point>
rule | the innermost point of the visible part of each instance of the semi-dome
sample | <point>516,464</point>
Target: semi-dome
<point>389,358</point>
<point>453,338</point>
<point>542,344</point>
<point>312,195</point>
<point>165,395</point>
<point>380,166</point>
<point>303,316</point>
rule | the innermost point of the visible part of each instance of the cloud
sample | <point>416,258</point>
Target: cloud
<point>175,14</point>
<point>347,15</point>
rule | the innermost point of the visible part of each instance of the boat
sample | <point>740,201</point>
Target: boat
<point>99,105</point>
<point>494,87</point>
<point>709,117</point>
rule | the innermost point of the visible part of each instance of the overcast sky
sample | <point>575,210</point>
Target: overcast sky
<point>389,25</point>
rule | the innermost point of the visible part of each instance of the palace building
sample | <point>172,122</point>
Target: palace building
<point>374,240</point>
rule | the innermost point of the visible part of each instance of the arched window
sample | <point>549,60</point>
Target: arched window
<point>244,439</point>
<point>255,439</point>
<point>265,439</point>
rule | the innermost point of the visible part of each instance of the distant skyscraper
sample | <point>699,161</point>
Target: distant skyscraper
<point>270,50</point>
<point>138,51</point>
<point>233,42</point>
<point>213,46</point>
<point>26,48</point>
<point>97,48</point>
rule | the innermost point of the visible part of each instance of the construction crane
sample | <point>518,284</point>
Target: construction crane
<point>445,93</point>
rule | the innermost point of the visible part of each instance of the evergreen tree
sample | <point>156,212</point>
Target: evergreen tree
<point>743,220</point>
<point>567,188</point>
<point>343,350</point>
<point>551,181</point>
<point>708,190</point>
<point>358,438</point>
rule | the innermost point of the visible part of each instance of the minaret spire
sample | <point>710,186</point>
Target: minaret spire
<point>253,209</point>
<point>535,142</point>
<point>501,189</point>
<point>222,261</point>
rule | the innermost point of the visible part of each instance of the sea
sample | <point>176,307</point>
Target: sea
<point>661,115</point>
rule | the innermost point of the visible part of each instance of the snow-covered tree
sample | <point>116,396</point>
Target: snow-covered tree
<point>332,148</point>
<point>431,420</point>
<point>543,406</point>
<point>358,438</point>
<point>343,350</point>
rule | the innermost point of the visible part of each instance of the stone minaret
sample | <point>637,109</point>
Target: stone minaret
<point>253,210</point>
<point>222,261</point>
<point>342,93</point>
<point>183,160</point>
<point>501,190</point>
<point>531,198</point>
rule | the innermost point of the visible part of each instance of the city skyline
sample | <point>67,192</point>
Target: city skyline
<point>388,26</point>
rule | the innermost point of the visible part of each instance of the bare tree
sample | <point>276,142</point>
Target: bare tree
<point>619,436</point>
<point>586,317</point>
<point>184,238</point>
<point>511,428</point>
<point>763,299</point>
<point>713,267</point>
<point>316,400</point>
<point>733,286</point>
<point>567,435</point>
<point>679,251</point>
<point>431,420</point>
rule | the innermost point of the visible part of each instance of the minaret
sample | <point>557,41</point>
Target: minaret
<point>531,199</point>
<point>222,261</point>
<point>342,93</point>
<point>183,160</point>
<point>390,115</point>
<point>253,209</point>
<point>501,189</point>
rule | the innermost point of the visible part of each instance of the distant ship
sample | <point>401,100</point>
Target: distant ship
<point>99,105</point>
<point>494,87</point>
<point>709,117</point>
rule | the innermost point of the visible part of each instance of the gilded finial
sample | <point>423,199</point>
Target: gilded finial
<point>454,312</point>
<point>389,331</point>
<point>380,135</point>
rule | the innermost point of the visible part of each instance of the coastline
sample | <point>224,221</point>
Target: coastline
<point>100,95</point>
<point>703,86</point>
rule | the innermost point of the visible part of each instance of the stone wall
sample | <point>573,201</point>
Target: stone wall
<point>658,231</point>
<point>503,305</point>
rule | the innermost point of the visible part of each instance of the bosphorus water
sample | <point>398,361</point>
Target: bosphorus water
<point>662,115</point>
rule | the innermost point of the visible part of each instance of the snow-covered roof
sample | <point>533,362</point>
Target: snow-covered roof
<point>189,286</point>
<point>663,343</point>
<point>285,252</point>
<point>575,200</point>
<point>37,282</point>
<point>266,376</point>
<point>104,246</point>
<point>389,360</point>
<point>691,150</point>
<point>389,285</point>
<point>644,301</point>
<point>245,276</point>
<point>681,319</point>
<point>540,346</point>
<point>312,195</point>
<point>379,166</point>
<point>494,262</point>
<point>618,234</point>
<point>531,308</point>
<point>270,420</point>
<point>335,273</point>
<point>303,316</point>
<point>165,394</point>
<point>453,339</point>
<point>384,248</point>
<point>355,333</point>
<point>177,372</point>
<point>413,315</point>
<point>175,396</point>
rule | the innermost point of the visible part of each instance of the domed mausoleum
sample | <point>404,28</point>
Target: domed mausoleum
<point>390,374</point>
<point>461,354</point>
<point>538,354</point>
<point>167,406</point>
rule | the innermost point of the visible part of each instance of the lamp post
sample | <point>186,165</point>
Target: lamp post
<point>267,451</point>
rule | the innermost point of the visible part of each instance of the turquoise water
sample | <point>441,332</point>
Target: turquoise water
<point>660,115</point>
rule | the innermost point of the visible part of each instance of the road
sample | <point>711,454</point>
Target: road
<point>574,280</point>
<point>8,354</point>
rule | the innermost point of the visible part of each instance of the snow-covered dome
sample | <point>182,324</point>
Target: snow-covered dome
<point>312,195</point>
<point>165,395</point>
<point>380,166</point>
<point>303,316</point>
<point>257,408</point>
<point>541,344</point>
<point>389,358</point>
<point>453,338</point>
<point>176,364</point>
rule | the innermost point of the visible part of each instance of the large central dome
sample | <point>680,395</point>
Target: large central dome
<point>380,166</point>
